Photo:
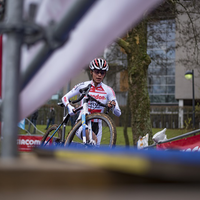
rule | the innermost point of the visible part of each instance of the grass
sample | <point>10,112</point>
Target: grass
<point>120,136</point>
<point>169,132</point>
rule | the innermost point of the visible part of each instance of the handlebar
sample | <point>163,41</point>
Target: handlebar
<point>85,92</point>
<point>77,109</point>
<point>93,99</point>
<point>61,104</point>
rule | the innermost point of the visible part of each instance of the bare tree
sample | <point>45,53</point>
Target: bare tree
<point>188,32</point>
<point>135,46</point>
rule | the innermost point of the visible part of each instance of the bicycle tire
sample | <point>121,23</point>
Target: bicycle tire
<point>49,132</point>
<point>109,134</point>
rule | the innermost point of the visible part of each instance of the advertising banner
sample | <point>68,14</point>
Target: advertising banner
<point>186,144</point>
<point>27,142</point>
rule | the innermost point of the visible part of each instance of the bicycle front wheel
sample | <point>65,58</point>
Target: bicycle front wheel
<point>106,132</point>
<point>55,139</point>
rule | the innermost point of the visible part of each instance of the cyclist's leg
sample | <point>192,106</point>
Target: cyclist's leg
<point>99,133</point>
<point>80,135</point>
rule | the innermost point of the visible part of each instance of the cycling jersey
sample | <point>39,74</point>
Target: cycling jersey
<point>102,93</point>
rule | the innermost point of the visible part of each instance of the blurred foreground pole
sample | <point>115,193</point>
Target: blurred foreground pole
<point>11,79</point>
<point>58,35</point>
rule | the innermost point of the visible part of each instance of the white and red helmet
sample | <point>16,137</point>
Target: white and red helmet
<point>98,63</point>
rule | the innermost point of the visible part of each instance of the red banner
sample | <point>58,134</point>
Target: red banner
<point>185,144</point>
<point>27,142</point>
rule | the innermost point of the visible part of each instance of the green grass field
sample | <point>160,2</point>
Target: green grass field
<point>169,132</point>
<point>120,136</point>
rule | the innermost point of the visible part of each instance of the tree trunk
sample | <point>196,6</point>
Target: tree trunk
<point>138,62</point>
<point>127,112</point>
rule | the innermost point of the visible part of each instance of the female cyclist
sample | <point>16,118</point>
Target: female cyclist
<point>100,91</point>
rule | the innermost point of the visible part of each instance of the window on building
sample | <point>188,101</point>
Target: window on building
<point>161,72</point>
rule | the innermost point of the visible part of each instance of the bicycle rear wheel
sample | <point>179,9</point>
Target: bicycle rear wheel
<point>55,139</point>
<point>108,130</point>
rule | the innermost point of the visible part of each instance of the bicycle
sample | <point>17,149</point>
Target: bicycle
<point>107,130</point>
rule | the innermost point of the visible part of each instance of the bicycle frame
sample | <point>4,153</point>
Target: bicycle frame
<point>86,98</point>
<point>64,122</point>
<point>83,117</point>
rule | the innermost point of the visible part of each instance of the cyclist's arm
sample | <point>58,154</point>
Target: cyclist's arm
<point>111,96</point>
<point>72,93</point>
<point>116,110</point>
<point>68,96</point>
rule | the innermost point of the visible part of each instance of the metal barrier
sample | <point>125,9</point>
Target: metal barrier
<point>174,138</point>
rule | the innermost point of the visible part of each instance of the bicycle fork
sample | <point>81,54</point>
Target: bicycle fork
<point>85,112</point>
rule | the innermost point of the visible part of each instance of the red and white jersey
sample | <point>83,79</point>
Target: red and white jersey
<point>102,93</point>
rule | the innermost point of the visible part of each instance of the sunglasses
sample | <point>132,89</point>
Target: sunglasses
<point>96,71</point>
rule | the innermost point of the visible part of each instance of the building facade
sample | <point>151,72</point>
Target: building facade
<point>187,57</point>
<point>173,45</point>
